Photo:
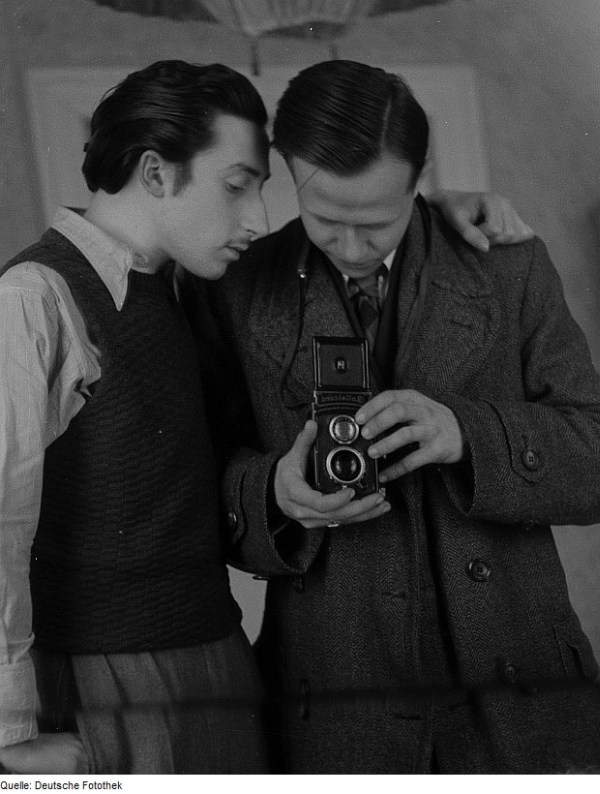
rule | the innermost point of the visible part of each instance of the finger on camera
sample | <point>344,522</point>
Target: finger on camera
<point>350,507</point>
<point>360,507</point>
<point>309,505</point>
<point>400,438</point>
<point>307,435</point>
<point>376,404</point>
<point>364,509</point>
<point>411,462</point>
<point>388,409</point>
<point>303,442</point>
<point>325,504</point>
<point>372,513</point>
<point>295,488</point>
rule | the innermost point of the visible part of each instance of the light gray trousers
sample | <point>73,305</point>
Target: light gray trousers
<point>188,710</point>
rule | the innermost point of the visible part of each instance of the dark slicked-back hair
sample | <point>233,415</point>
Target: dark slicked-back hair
<point>342,116</point>
<point>169,107</point>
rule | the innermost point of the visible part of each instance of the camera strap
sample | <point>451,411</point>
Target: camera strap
<point>302,274</point>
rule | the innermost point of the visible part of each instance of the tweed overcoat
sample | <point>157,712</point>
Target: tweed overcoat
<point>340,643</point>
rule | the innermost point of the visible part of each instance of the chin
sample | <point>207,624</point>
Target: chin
<point>210,271</point>
<point>212,276</point>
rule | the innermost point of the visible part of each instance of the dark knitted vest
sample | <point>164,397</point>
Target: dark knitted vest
<point>127,555</point>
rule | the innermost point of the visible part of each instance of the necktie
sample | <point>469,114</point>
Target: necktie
<point>366,295</point>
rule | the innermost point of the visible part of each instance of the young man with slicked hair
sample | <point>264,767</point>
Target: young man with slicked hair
<point>108,478</point>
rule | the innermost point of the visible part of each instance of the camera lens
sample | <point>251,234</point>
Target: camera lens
<point>345,465</point>
<point>343,429</point>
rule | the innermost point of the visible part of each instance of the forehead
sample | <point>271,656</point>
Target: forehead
<point>370,196</point>
<point>238,144</point>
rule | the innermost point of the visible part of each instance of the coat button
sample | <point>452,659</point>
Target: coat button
<point>232,519</point>
<point>530,459</point>
<point>479,570</point>
<point>508,673</point>
<point>298,584</point>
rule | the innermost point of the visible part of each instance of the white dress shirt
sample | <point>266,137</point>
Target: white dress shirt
<point>47,364</point>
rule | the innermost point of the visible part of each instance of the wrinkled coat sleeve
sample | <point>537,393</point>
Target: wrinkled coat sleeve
<point>536,459</point>
<point>259,539</point>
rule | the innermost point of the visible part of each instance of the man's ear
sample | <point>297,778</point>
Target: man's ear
<point>153,173</point>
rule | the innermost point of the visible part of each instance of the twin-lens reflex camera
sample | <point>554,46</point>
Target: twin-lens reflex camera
<point>341,386</point>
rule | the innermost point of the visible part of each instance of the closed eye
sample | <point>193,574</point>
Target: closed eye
<point>373,227</point>
<point>233,188</point>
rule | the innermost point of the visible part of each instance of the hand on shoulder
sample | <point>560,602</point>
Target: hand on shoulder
<point>482,219</point>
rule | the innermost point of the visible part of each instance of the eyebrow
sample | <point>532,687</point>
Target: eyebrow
<point>370,225</point>
<point>249,170</point>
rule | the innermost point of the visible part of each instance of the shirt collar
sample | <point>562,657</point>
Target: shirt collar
<point>389,259</point>
<point>387,262</point>
<point>111,259</point>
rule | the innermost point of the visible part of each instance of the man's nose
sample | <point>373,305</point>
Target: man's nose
<point>350,246</point>
<point>255,219</point>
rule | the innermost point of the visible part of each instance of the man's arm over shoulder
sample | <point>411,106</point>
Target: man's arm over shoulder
<point>536,458</point>
<point>481,219</point>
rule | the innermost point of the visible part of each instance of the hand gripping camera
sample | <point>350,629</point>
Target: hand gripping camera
<point>341,378</point>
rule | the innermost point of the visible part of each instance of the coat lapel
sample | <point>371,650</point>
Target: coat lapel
<point>460,321</point>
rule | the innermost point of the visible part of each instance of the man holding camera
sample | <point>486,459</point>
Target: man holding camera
<point>427,629</point>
